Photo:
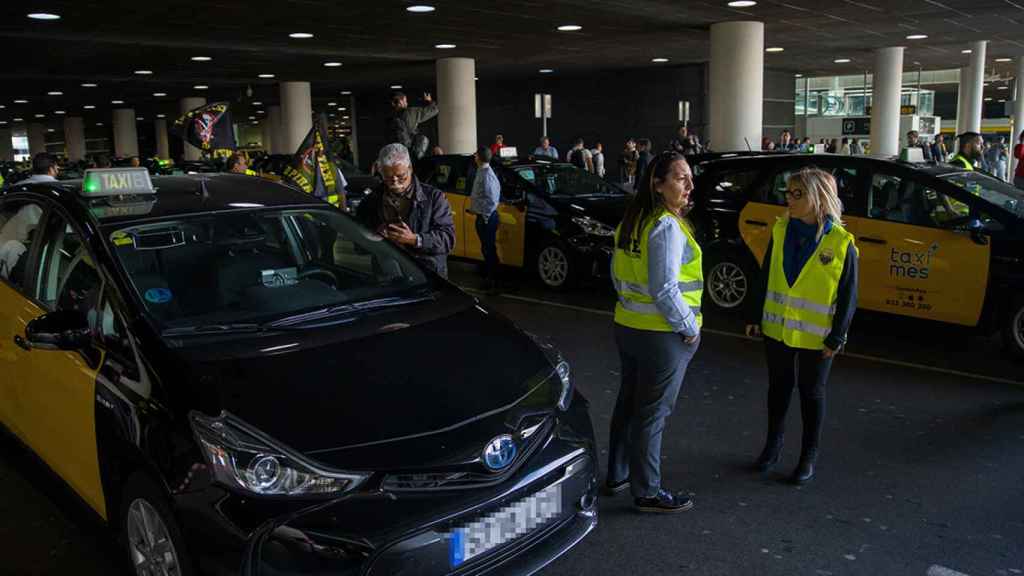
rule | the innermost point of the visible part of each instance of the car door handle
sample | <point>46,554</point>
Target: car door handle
<point>871,240</point>
<point>757,223</point>
<point>22,343</point>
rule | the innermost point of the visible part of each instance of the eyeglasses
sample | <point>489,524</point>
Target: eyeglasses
<point>398,177</point>
<point>795,194</point>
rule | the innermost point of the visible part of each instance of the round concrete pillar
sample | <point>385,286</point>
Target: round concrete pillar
<point>276,137</point>
<point>296,114</point>
<point>74,138</point>
<point>36,138</point>
<point>736,91</point>
<point>975,87</point>
<point>267,134</point>
<point>885,101</point>
<point>456,99</point>
<point>126,136</point>
<point>163,147</point>
<point>1018,113</point>
<point>6,145</point>
<point>961,100</point>
<point>191,103</point>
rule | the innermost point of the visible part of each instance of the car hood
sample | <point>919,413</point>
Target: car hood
<point>603,208</point>
<point>383,389</point>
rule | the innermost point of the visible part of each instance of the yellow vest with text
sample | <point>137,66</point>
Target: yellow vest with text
<point>801,315</point>
<point>636,308</point>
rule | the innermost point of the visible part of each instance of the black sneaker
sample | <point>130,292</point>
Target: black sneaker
<point>613,488</point>
<point>664,502</point>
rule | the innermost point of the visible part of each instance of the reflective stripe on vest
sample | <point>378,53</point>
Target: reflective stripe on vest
<point>958,159</point>
<point>801,315</point>
<point>636,307</point>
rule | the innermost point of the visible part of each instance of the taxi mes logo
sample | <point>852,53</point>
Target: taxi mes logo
<point>911,264</point>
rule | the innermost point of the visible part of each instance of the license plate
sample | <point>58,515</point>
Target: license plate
<point>505,525</point>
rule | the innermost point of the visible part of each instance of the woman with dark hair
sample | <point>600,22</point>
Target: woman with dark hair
<point>657,273</point>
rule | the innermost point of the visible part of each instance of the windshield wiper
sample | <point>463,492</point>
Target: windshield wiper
<point>212,328</point>
<point>347,309</point>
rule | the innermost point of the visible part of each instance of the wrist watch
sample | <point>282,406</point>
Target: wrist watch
<point>419,241</point>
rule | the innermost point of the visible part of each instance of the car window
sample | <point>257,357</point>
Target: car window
<point>928,206</point>
<point>527,174</point>
<point>777,191</point>
<point>19,223</point>
<point>891,200</point>
<point>568,180</point>
<point>990,190</point>
<point>67,277</point>
<point>735,184</point>
<point>846,186</point>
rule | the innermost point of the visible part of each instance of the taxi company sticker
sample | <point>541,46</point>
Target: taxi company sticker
<point>120,239</point>
<point>826,256</point>
<point>158,295</point>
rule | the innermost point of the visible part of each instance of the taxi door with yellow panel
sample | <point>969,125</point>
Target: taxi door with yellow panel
<point>511,239</point>
<point>912,261</point>
<point>54,398</point>
<point>448,174</point>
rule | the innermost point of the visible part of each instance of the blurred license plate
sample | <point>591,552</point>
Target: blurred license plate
<point>505,525</point>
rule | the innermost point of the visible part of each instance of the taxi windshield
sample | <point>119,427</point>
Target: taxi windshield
<point>566,180</point>
<point>991,190</point>
<point>250,267</point>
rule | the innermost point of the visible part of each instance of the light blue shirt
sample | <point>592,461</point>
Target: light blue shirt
<point>669,248</point>
<point>550,152</point>
<point>486,192</point>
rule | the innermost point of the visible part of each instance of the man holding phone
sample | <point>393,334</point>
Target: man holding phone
<point>411,214</point>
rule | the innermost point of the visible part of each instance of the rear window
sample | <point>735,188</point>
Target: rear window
<point>735,185</point>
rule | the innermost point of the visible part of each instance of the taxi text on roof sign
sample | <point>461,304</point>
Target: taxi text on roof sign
<point>116,182</point>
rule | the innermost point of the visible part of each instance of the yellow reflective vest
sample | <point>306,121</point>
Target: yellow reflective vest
<point>959,160</point>
<point>801,315</point>
<point>636,308</point>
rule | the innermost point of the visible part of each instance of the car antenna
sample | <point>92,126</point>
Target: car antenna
<point>749,149</point>
<point>202,189</point>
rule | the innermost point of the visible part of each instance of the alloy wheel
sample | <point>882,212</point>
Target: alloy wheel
<point>553,266</point>
<point>727,285</point>
<point>1018,329</point>
<point>149,542</point>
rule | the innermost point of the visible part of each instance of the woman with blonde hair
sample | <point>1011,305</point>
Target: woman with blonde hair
<point>803,305</point>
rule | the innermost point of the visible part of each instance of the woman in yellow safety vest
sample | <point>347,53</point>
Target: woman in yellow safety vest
<point>656,268</point>
<point>803,306</point>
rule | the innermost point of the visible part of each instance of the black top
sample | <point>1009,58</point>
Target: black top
<point>846,299</point>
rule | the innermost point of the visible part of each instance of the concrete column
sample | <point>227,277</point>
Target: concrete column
<point>736,91</point>
<point>961,100</point>
<point>885,101</point>
<point>126,135</point>
<point>36,138</point>
<point>296,114</point>
<point>267,131</point>
<point>1018,113</point>
<point>191,103</point>
<point>6,145</point>
<point>456,98</point>
<point>163,147</point>
<point>276,137</point>
<point>74,138</point>
<point>975,87</point>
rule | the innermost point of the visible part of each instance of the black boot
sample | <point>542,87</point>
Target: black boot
<point>770,455</point>
<point>805,469</point>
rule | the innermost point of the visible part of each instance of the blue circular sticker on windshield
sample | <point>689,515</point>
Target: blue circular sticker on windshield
<point>158,295</point>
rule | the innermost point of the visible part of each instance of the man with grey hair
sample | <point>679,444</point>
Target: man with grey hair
<point>414,215</point>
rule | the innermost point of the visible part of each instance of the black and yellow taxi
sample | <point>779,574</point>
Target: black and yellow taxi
<point>554,219</point>
<point>240,379</point>
<point>936,241</point>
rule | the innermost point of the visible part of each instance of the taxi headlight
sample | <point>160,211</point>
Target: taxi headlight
<point>563,370</point>
<point>591,226</point>
<point>243,459</point>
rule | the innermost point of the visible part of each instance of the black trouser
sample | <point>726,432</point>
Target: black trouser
<point>487,231</point>
<point>809,371</point>
<point>653,367</point>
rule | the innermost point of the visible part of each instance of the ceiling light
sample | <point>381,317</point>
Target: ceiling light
<point>570,28</point>
<point>252,117</point>
<point>342,108</point>
<point>332,103</point>
<point>58,111</point>
<point>774,49</point>
<point>55,93</point>
<point>967,51</point>
<point>2,106</point>
<point>659,60</point>
<point>332,64</point>
<point>257,103</point>
<point>346,92</point>
<point>260,112</point>
<point>332,115</point>
<point>545,70</point>
<point>1004,59</point>
<point>99,123</point>
<point>346,117</point>
<point>3,122</point>
<point>44,16</point>
<point>1002,100</point>
<point>89,85</point>
<point>841,60</point>
<point>19,119</point>
<point>742,3</point>
<point>21,101</point>
<point>917,37</point>
<point>444,46</point>
<point>161,115</point>
<point>117,101</point>
<point>1003,88</point>
<point>300,35</point>
<point>396,86</point>
<point>200,87</point>
<point>159,94</point>
<point>476,77</point>
<point>201,58</point>
<point>420,9</point>
<point>50,130</point>
<point>266,75</point>
<point>89,107</point>
<point>143,72</point>
<point>40,115</point>
<point>139,118</point>
<point>988,99</point>
<point>798,75</point>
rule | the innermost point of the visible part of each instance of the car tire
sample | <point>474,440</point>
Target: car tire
<point>728,279</point>
<point>1013,329</point>
<point>553,266</point>
<point>149,531</point>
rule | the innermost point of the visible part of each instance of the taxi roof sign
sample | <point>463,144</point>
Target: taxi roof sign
<point>102,182</point>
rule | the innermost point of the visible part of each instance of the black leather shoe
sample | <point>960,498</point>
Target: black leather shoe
<point>665,503</point>
<point>613,488</point>
<point>769,457</point>
<point>804,471</point>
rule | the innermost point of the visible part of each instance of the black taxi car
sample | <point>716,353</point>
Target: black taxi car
<point>554,219</point>
<point>936,242</point>
<point>240,379</point>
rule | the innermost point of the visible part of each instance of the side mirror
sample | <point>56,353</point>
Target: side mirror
<point>976,229</point>
<point>59,330</point>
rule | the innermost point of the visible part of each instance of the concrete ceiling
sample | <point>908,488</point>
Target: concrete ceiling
<point>379,44</point>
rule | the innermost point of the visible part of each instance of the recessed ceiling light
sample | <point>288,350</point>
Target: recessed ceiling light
<point>1002,100</point>
<point>798,75</point>
<point>570,28</point>
<point>21,101</point>
<point>300,35</point>
<point>332,64</point>
<point>266,75</point>
<point>346,117</point>
<point>342,108</point>
<point>44,16</point>
<point>161,115</point>
<point>742,3</point>
<point>2,106</point>
<point>89,85</point>
<point>967,51</point>
<point>201,58</point>
<point>260,112</point>
<point>332,103</point>
<point>545,70</point>
<point>346,92</point>
<point>1004,59</point>
<point>19,119</point>
<point>55,93</point>
<point>252,117</point>
<point>1003,88</point>
<point>50,130</point>
<point>58,111</point>
<point>988,99</point>
<point>143,72</point>
<point>99,123</point>
<point>775,49</point>
<point>917,37</point>
<point>444,46</point>
<point>841,60</point>
<point>3,122</point>
<point>139,118</point>
<point>476,77</point>
<point>659,60</point>
<point>396,86</point>
<point>89,107</point>
<point>159,94</point>
<point>117,101</point>
<point>257,103</point>
<point>332,115</point>
<point>40,115</point>
<point>200,87</point>
<point>420,9</point>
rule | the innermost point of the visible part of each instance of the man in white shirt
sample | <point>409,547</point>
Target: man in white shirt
<point>484,201</point>
<point>44,169</point>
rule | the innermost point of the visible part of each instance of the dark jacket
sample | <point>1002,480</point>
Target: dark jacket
<point>846,298</point>
<point>404,124</point>
<point>431,219</point>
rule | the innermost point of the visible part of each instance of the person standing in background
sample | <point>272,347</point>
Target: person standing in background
<point>597,156</point>
<point>643,158</point>
<point>546,149</point>
<point>1018,153</point>
<point>483,201</point>
<point>499,143</point>
<point>405,121</point>
<point>627,162</point>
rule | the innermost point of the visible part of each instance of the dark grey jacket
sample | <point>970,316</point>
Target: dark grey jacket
<point>431,219</point>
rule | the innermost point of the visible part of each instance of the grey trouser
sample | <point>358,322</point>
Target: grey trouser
<point>653,366</point>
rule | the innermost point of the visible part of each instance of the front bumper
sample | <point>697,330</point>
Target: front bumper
<point>377,532</point>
